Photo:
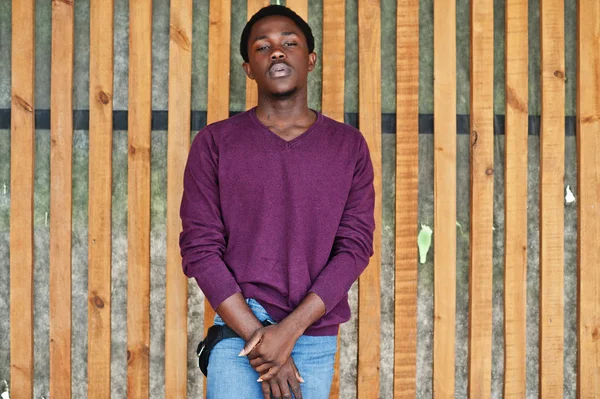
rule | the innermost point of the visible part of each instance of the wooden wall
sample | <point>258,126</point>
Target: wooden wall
<point>482,153</point>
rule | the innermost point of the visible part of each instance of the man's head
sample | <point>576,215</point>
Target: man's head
<point>277,46</point>
<point>274,10</point>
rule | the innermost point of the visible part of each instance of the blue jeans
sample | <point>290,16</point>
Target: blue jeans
<point>231,376</point>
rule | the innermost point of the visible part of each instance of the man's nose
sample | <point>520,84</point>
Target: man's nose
<point>277,54</point>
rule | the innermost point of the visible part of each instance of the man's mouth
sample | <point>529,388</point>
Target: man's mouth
<point>279,70</point>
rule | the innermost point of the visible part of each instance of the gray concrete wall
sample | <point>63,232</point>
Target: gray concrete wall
<point>158,210</point>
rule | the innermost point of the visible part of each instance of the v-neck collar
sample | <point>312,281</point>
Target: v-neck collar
<point>283,142</point>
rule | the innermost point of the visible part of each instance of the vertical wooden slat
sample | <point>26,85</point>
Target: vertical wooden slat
<point>481,198</point>
<point>552,166</point>
<point>444,104</point>
<point>407,187</point>
<point>369,301</point>
<point>251,89</point>
<point>588,187</point>
<point>100,196</point>
<point>138,223</point>
<point>334,36</point>
<point>334,53</point>
<point>515,199</point>
<point>180,89</point>
<point>61,133</point>
<point>21,207</point>
<point>219,32</point>
<point>300,7</point>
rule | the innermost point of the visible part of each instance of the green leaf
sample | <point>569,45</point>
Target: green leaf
<point>424,242</point>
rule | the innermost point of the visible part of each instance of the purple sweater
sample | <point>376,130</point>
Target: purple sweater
<point>278,219</point>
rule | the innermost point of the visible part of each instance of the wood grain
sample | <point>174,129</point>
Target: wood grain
<point>61,136</point>
<point>100,197</point>
<point>138,219</point>
<point>251,89</point>
<point>407,188</point>
<point>300,7</point>
<point>552,167</point>
<point>444,188</point>
<point>481,198</point>
<point>588,198</point>
<point>369,301</point>
<point>333,59</point>
<point>219,32</point>
<point>180,92</point>
<point>515,199</point>
<point>22,165</point>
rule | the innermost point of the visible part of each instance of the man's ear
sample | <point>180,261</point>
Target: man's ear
<point>246,66</point>
<point>312,60</point>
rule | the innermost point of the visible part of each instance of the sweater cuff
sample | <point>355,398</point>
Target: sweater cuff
<point>336,279</point>
<point>330,291</point>
<point>327,299</point>
<point>217,283</point>
<point>217,295</point>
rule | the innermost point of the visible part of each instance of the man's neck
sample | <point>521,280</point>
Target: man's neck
<point>283,112</point>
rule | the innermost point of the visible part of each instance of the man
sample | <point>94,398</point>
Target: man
<point>278,222</point>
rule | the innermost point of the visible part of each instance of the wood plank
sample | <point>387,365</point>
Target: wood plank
<point>251,89</point>
<point>219,32</point>
<point>100,197</point>
<point>180,91</point>
<point>444,186</point>
<point>22,167</point>
<point>552,167</point>
<point>138,219</point>
<point>333,58</point>
<point>588,187</point>
<point>369,300</point>
<point>61,133</point>
<point>515,199</point>
<point>407,189</point>
<point>481,198</point>
<point>300,7</point>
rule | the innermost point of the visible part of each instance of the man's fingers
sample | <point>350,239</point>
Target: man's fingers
<point>252,342</point>
<point>297,391</point>
<point>297,373</point>
<point>253,354</point>
<point>285,389</point>
<point>256,362</point>
<point>270,374</point>
<point>266,389</point>
<point>275,390</point>
<point>263,368</point>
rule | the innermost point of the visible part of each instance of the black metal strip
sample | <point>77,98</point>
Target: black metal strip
<point>160,121</point>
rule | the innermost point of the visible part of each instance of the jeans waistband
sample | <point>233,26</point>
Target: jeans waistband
<point>260,312</point>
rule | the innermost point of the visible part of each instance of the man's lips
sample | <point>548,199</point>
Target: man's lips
<point>279,70</point>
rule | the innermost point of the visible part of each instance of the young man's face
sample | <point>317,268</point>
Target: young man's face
<point>278,57</point>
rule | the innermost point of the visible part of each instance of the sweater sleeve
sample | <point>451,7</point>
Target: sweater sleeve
<point>203,240</point>
<point>353,244</point>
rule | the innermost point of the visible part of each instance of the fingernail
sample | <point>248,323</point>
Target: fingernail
<point>241,353</point>
<point>259,380</point>
<point>302,379</point>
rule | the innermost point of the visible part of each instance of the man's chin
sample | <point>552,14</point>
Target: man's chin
<point>282,95</point>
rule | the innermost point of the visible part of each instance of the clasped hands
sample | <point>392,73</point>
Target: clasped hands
<point>269,351</point>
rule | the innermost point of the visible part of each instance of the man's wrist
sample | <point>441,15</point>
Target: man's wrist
<point>294,326</point>
<point>251,329</point>
<point>309,311</point>
<point>236,313</point>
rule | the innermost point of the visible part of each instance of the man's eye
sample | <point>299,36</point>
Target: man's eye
<point>290,44</point>
<point>262,48</point>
